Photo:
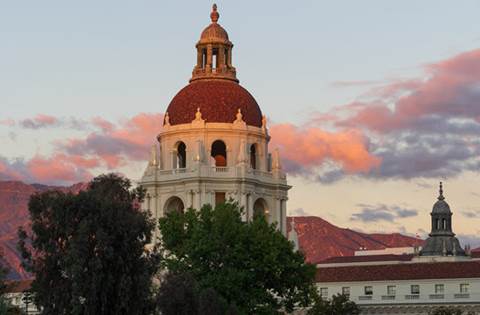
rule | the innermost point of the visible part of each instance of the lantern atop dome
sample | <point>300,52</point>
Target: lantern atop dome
<point>214,52</point>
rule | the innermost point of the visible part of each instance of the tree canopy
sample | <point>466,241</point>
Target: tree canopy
<point>339,304</point>
<point>249,264</point>
<point>87,250</point>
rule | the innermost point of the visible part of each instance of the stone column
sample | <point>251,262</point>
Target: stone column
<point>243,203</point>
<point>199,57</point>
<point>283,222</point>
<point>209,58</point>
<point>229,57</point>
<point>249,206</point>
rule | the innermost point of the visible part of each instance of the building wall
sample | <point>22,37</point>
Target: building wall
<point>200,180</point>
<point>380,302</point>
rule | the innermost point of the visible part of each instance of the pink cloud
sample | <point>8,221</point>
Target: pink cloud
<point>7,122</point>
<point>39,121</point>
<point>60,168</point>
<point>311,147</point>
<point>451,89</point>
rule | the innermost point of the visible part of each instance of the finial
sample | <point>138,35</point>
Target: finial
<point>214,15</point>
<point>440,196</point>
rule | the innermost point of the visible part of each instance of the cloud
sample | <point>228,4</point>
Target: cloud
<point>418,128</point>
<point>471,214</point>
<point>115,145</point>
<point>304,149</point>
<point>381,212</point>
<point>7,122</point>
<point>299,212</point>
<point>39,121</point>
<point>76,159</point>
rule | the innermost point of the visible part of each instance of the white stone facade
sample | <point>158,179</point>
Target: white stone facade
<point>249,175</point>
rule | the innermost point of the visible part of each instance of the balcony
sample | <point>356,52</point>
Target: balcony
<point>216,172</point>
<point>412,297</point>
<point>436,296</point>
<point>462,296</point>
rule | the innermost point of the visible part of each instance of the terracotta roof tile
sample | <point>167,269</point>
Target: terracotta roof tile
<point>218,100</point>
<point>403,271</point>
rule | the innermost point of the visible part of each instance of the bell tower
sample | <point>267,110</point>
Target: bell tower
<point>213,144</point>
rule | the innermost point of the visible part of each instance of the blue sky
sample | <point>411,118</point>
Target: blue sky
<point>116,59</point>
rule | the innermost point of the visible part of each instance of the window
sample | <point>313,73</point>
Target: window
<point>439,288</point>
<point>324,292</point>
<point>253,156</point>
<point>346,291</point>
<point>415,289</point>
<point>219,198</point>
<point>368,290</point>
<point>219,153</point>
<point>464,288</point>
<point>181,157</point>
<point>391,290</point>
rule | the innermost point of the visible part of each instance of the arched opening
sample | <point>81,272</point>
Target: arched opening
<point>260,208</point>
<point>219,153</point>
<point>174,204</point>
<point>444,224</point>
<point>181,155</point>
<point>253,156</point>
<point>437,221</point>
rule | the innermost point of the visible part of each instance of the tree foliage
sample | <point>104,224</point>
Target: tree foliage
<point>251,265</point>
<point>87,251</point>
<point>339,304</point>
<point>443,310</point>
<point>179,294</point>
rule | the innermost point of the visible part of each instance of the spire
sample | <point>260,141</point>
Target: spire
<point>214,15</point>
<point>440,195</point>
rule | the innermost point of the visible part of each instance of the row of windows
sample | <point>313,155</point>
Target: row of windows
<point>218,153</point>
<point>392,289</point>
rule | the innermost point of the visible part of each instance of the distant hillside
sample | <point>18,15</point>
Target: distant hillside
<point>318,238</point>
<point>14,198</point>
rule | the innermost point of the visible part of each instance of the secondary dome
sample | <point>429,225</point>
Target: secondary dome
<point>218,101</point>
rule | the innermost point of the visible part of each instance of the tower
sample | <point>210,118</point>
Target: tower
<point>213,145</point>
<point>442,240</point>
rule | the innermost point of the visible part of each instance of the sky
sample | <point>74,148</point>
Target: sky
<point>371,103</point>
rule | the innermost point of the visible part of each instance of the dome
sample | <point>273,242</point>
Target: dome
<point>214,33</point>
<point>441,206</point>
<point>218,101</point>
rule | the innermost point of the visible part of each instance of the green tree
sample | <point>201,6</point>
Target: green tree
<point>249,264</point>
<point>87,251</point>
<point>179,294</point>
<point>446,311</point>
<point>339,304</point>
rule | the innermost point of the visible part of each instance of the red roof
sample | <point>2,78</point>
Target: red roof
<point>403,271</point>
<point>366,258</point>
<point>218,100</point>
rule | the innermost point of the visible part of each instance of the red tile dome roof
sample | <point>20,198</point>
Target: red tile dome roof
<point>218,100</point>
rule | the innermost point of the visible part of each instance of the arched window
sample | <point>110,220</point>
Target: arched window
<point>437,221</point>
<point>173,204</point>
<point>260,208</point>
<point>181,155</point>
<point>444,221</point>
<point>253,156</point>
<point>219,153</point>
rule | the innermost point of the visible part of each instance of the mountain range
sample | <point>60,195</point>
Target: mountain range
<point>318,239</point>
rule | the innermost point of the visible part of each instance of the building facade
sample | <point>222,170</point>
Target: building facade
<point>439,274</point>
<point>213,145</point>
